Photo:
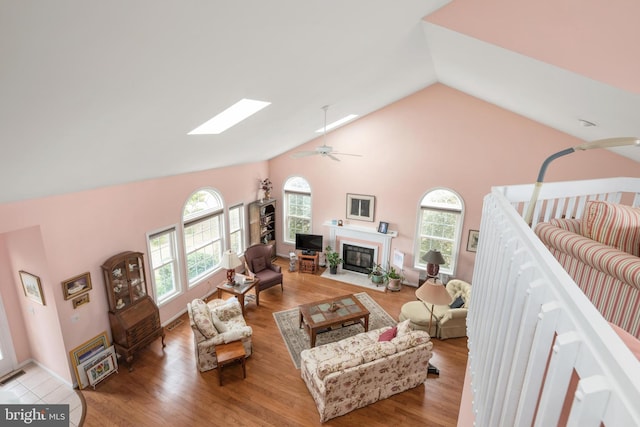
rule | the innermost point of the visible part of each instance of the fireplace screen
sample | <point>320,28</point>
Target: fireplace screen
<point>357,258</point>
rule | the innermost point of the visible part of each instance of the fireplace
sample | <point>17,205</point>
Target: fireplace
<point>358,258</point>
<point>377,246</point>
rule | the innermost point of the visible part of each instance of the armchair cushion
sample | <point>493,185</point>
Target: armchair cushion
<point>202,318</point>
<point>259,264</point>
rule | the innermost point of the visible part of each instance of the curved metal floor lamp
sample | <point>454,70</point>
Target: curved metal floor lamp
<point>600,143</point>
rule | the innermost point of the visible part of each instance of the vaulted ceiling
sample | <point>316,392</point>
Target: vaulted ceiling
<point>96,93</point>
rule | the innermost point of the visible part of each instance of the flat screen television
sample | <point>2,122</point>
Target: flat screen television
<point>309,244</point>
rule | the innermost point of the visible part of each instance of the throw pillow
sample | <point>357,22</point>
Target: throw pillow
<point>388,334</point>
<point>220,327</point>
<point>259,264</point>
<point>457,303</point>
<point>202,318</point>
<point>403,328</point>
<point>613,224</point>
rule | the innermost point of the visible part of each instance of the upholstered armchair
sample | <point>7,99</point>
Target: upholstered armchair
<point>258,263</point>
<point>452,319</point>
<point>214,323</point>
<point>448,321</point>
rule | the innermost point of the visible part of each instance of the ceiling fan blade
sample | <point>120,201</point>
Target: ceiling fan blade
<point>303,154</point>
<point>331,156</point>
<point>349,154</point>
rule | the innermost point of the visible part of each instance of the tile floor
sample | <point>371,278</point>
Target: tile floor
<point>38,386</point>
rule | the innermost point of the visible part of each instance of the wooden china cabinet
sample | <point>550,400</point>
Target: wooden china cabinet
<point>134,317</point>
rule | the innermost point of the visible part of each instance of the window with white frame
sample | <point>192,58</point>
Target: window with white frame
<point>236,229</point>
<point>163,251</point>
<point>203,233</point>
<point>297,206</point>
<point>439,228</point>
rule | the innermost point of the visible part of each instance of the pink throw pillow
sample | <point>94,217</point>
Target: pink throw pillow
<point>388,335</point>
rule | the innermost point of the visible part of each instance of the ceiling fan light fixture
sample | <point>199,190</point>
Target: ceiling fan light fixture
<point>337,123</point>
<point>230,117</point>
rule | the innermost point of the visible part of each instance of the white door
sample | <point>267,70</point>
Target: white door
<point>7,353</point>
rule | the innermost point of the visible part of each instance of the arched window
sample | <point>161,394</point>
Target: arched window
<point>297,207</point>
<point>203,224</point>
<point>439,227</point>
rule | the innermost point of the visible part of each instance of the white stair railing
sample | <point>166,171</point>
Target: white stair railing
<point>540,353</point>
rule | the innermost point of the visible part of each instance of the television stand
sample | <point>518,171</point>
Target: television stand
<point>310,253</point>
<point>308,263</point>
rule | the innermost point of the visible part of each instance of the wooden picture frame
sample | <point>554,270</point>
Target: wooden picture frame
<point>77,285</point>
<point>360,207</point>
<point>82,299</point>
<point>383,227</point>
<point>101,369</point>
<point>472,241</point>
<point>32,287</point>
<point>85,352</point>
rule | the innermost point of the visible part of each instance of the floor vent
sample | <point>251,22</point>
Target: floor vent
<point>12,376</point>
<point>171,326</point>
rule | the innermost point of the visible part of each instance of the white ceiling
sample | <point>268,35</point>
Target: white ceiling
<point>96,93</point>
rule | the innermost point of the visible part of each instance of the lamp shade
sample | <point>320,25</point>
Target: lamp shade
<point>230,260</point>
<point>433,293</point>
<point>433,257</point>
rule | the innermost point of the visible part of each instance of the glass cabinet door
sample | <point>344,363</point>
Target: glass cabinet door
<point>120,285</point>
<point>135,272</point>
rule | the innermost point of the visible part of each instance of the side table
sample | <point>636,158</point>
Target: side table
<point>308,263</point>
<point>229,353</point>
<point>239,291</point>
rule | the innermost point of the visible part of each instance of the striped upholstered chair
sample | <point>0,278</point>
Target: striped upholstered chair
<point>601,252</point>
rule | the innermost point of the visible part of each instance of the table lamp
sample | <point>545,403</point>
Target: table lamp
<point>230,261</point>
<point>433,294</point>
<point>433,258</point>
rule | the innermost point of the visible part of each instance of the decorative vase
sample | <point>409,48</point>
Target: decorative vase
<point>377,278</point>
<point>393,285</point>
<point>333,269</point>
<point>267,194</point>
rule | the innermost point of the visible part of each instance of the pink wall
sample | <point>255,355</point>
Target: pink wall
<point>437,137</point>
<point>60,237</point>
<point>585,36</point>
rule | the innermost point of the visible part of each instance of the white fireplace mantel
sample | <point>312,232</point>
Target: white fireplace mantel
<point>365,234</point>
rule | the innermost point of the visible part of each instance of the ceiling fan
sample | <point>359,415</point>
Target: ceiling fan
<point>324,150</point>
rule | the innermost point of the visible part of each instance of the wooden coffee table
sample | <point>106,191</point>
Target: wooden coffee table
<point>332,312</point>
<point>239,291</point>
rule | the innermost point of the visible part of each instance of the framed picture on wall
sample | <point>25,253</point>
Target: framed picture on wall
<point>82,299</point>
<point>472,242</point>
<point>76,285</point>
<point>32,287</point>
<point>360,207</point>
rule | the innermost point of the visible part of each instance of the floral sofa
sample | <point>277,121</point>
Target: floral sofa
<point>216,322</point>
<point>601,253</point>
<point>360,370</point>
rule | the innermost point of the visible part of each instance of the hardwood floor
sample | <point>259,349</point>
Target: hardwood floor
<point>165,387</point>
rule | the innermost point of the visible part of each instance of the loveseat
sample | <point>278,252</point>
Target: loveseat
<point>600,252</point>
<point>216,322</point>
<point>360,370</point>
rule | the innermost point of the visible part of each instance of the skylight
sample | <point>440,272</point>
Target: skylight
<point>230,117</point>
<point>338,122</point>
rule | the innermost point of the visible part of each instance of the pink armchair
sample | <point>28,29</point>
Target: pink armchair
<point>258,263</point>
